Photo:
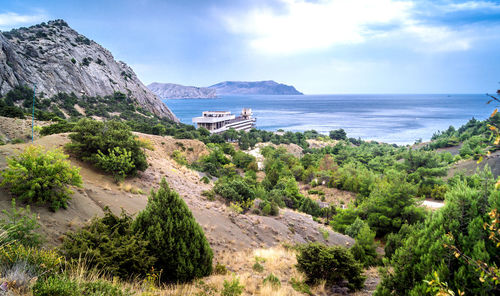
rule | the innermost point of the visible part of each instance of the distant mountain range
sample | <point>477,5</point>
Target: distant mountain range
<point>177,91</point>
<point>268,87</point>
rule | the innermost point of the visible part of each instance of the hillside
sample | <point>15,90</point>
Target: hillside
<point>254,88</point>
<point>177,91</point>
<point>60,60</point>
<point>225,229</point>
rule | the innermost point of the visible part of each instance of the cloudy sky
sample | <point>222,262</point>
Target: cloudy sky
<point>319,46</point>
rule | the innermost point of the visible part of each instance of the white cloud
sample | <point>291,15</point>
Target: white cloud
<point>473,5</point>
<point>315,25</point>
<point>12,19</point>
<point>306,26</point>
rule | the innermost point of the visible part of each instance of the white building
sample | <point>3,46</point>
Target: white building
<point>220,121</point>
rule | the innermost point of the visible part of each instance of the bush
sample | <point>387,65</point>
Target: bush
<point>175,239</point>
<point>63,286</point>
<point>38,176</point>
<point>57,128</point>
<point>109,244</point>
<point>37,261</point>
<point>179,157</point>
<point>300,286</point>
<point>272,280</point>
<point>90,136</point>
<point>101,288</point>
<point>258,267</point>
<point>56,286</point>
<point>232,288</point>
<point>332,264</point>
<point>220,269</point>
<point>354,229</point>
<point>118,161</point>
<point>236,189</point>
<point>17,141</point>
<point>19,226</point>
<point>364,250</point>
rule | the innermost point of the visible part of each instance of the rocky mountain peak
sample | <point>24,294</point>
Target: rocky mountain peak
<point>60,60</point>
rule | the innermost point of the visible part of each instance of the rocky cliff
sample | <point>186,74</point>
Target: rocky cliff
<point>254,88</point>
<point>59,60</point>
<point>177,91</point>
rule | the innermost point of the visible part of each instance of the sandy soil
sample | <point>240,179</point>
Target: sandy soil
<point>15,128</point>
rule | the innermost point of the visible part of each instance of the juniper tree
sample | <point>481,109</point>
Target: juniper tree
<point>175,238</point>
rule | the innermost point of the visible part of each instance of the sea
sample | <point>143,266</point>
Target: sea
<point>398,119</point>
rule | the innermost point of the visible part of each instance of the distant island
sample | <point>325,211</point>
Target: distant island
<point>268,87</point>
<point>177,91</point>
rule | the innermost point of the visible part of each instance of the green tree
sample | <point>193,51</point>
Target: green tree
<point>391,204</point>
<point>339,134</point>
<point>423,252</point>
<point>44,177</point>
<point>109,244</point>
<point>364,249</point>
<point>91,136</point>
<point>332,264</point>
<point>117,161</point>
<point>175,238</point>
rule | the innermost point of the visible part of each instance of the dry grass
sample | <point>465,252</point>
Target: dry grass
<point>130,188</point>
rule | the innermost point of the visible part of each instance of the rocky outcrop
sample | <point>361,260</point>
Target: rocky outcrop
<point>177,91</point>
<point>58,59</point>
<point>254,88</point>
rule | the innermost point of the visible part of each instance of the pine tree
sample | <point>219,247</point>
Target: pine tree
<point>422,253</point>
<point>175,238</point>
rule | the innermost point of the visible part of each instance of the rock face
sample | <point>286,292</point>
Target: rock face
<point>254,88</point>
<point>177,91</point>
<point>58,59</point>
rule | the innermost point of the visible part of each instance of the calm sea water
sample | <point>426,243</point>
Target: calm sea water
<point>400,119</point>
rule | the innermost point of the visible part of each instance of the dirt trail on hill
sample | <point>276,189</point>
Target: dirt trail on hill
<point>225,230</point>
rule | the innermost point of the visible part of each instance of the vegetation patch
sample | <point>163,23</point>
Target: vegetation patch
<point>37,176</point>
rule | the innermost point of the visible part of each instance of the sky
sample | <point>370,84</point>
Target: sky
<point>318,46</point>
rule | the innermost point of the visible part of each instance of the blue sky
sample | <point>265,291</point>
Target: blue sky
<point>337,46</point>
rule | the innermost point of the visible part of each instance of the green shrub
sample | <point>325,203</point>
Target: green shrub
<point>205,180</point>
<point>11,111</point>
<point>102,288</point>
<point>56,286</point>
<point>332,264</point>
<point>300,286</point>
<point>269,208</point>
<point>232,288</point>
<point>19,226</point>
<point>209,194</point>
<point>179,157</point>
<point>310,207</point>
<point>258,267</point>
<point>37,261</point>
<point>17,141</point>
<point>90,136</point>
<point>354,229</point>
<point>325,233</point>
<point>235,189</point>
<point>110,245</point>
<point>364,249</point>
<point>272,280</point>
<point>175,238</point>
<point>44,177</point>
<point>118,161</point>
<point>57,128</point>
<point>220,269</point>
